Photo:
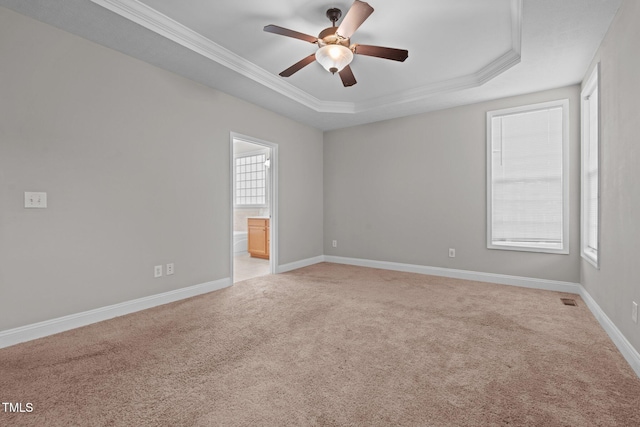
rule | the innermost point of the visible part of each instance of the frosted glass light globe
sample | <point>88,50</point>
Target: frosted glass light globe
<point>334,57</point>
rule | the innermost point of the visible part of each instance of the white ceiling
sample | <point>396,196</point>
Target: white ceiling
<point>460,51</point>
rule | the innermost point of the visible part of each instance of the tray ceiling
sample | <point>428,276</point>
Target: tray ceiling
<point>460,51</point>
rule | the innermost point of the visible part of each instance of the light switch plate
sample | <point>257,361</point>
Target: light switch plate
<point>34,199</point>
<point>157,271</point>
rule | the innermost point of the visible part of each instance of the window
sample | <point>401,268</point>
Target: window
<point>251,181</point>
<point>590,168</point>
<point>527,178</point>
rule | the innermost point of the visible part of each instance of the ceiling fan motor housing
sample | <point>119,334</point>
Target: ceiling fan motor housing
<point>330,36</point>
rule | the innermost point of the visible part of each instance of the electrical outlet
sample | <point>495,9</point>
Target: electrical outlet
<point>169,269</point>
<point>35,199</point>
<point>634,312</point>
<point>452,253</point>
<point>157,271</point>
<point>334,243</point>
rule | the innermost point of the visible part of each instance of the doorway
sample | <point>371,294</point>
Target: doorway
<point>253,207</point>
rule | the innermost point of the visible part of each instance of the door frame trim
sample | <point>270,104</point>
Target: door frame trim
<point>273,200</point>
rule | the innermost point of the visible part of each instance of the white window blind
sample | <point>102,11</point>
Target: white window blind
<point>526,183</point>
<point>590,169</point>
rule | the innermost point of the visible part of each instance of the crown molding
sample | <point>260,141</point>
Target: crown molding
<point>149,18</point>
<point>161,24</point>
<point>480,77</point>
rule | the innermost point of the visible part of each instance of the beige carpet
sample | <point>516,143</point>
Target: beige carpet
<point>331,345</point>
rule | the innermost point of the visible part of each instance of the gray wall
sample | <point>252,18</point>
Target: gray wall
<point>135,161</point>
<point>406,190</point>
<point>617,283</point>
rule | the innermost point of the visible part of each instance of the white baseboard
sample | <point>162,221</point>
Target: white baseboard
<point>65,323</point>
<point>630,354</point>
<point>299,264</point>
<point>61,324</point>
<point>503,279</point>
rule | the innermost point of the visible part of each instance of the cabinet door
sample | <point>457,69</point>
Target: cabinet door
<point>257,241</point>
<point>258,237</point>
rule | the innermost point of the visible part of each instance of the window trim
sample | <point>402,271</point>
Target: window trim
<point>564,104</point>
<point>592,85</point>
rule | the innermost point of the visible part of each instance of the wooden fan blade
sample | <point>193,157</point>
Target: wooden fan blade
<point>358,13</point>
<point>382,52</point>
<point>290,33</point>
<point>348,79</point>
<point>298,65</point>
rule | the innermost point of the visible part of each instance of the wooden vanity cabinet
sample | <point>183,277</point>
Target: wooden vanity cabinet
<point>258,236</point>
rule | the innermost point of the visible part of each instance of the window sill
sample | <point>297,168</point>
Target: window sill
<point>523,248</point>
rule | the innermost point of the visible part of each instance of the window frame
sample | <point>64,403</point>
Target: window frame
<point>564,105</point>
<point>592,85</point>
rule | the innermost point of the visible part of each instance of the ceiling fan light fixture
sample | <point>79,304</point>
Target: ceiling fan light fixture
<point>335,51</point>
<point>334,57</point>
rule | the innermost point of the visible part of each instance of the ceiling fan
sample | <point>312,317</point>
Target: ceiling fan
<point>335,51</point>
